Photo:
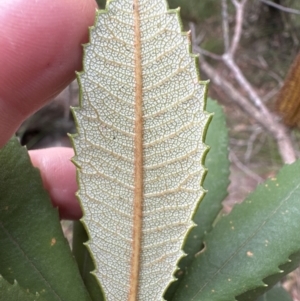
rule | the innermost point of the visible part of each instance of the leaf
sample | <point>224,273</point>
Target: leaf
<point>13,292</point>
<point>85,261</point>
<point>101,3</point>
<point>216,183</point>
<point>196,10</point>
<point>247,246</point>
<point>33,249</point>
<point>275,294</point>
<point>139,147</point>
<point>288,267</point>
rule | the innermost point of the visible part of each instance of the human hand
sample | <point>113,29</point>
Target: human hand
<point>40,44</point>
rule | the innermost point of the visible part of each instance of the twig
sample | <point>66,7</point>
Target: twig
<point>239,76</point>
<point>234,159</point>
<point>210,54</point>
<point>225,25</point>
<point>228,57</point>
<point>250,143</point>
<point>277,130</point>
<point>238,142</point>
<point>259,145</point>
<point>255,108</point>
<point>195,39</point>
<point>240,7</point>
<point>281,7</point>
<point>262,64</point>
<point>270,94</point>
<point>229,90</point>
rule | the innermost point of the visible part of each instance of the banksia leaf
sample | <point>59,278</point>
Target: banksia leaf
<point>13,292</point>
<point>216,183</point>
<point>288,100</point>
<point>33,249</point>
<point>252,248</point>
<point>139,146</point>
<point>275,294</point>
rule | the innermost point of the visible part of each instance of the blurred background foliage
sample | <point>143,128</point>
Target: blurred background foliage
<point>194,10</point>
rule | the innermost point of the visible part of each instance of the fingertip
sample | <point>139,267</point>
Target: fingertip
<point>59,178</point>
<point>41,47</point>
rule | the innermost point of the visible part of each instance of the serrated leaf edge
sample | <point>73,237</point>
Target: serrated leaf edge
<point>205,83</point>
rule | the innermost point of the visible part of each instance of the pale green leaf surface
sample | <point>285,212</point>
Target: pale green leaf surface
<point>259,238</point>
<point>173,122</point>
<point>13,292</point>
<point>216,182</point>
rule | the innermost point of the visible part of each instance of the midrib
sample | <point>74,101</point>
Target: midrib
<point>138,162</point>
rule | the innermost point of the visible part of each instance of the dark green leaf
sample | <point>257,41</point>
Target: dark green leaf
<point>216,181</point>
<point>33,249</point>
<point>101,3</point>
<point>85,262</point>
<point>249,244</point>
<point>275,294</point>
<point>193,10</point>
<point>13,292</point>
<point>254,293</point>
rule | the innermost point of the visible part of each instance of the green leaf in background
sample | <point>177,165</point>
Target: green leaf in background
<point>249,244</point>
<point>193,10</point>
<point>196,10</point>
<point>33,249</point>
<point>85,262</point>
<point>275,294</point>
<point>270,280</point>
<point>101,3</point>
<point>216,183</point>
<point>13,292</point>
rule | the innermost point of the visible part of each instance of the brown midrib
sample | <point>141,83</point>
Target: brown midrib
<point>138,162</point>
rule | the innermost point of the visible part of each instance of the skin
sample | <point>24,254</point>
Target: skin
<point>40,44</point>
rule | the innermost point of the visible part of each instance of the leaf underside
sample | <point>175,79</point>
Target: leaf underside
<point>139,146</point>
<point>216,182</point>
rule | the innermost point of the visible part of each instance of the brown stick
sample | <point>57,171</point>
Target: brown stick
<point>265,119</point>
<point>253,105</point>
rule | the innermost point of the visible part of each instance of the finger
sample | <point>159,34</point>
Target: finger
<point>40,44</point>
<point>59,178</point>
